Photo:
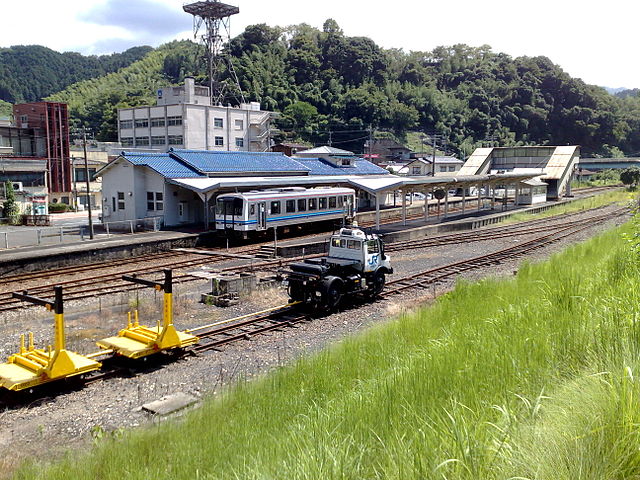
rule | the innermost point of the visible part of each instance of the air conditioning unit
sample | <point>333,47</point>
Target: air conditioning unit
<point>17,186</point>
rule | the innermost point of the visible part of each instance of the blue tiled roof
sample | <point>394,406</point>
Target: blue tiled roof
<point>319,166</point>
<point>259,162</point>
<point>163,163</point>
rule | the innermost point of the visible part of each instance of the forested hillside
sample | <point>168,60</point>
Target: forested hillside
<point>94,102</point>
<point>29,73</point>
<point>322,80</point>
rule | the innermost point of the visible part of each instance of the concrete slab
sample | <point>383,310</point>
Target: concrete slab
<point>169,404</point>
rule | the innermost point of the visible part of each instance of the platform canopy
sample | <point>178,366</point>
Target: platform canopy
<point>372,185</point>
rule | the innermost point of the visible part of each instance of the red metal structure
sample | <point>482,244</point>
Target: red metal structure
<point>51,119</point>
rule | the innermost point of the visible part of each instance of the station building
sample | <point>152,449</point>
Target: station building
<point>180,186</point>
<point>184,117</point>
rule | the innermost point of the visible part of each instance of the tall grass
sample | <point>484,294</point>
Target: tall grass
<point>615,197</point>
<point>532,377</point>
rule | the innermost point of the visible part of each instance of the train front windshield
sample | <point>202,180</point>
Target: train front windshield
<point>229,209</point>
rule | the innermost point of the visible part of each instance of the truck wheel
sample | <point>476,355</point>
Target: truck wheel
<point>378,284</point>
<point>332,291</point>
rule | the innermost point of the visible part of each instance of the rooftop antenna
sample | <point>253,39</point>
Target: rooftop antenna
<point>211,19</point>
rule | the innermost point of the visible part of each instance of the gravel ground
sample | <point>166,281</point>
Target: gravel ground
<point>57,421</point>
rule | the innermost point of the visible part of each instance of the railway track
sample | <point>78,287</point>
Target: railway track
<point>105,284</point>
<point>438,274</point>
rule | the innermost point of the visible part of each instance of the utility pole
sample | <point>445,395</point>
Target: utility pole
<point>370,143</point>
<point>86,177</point>
<point>330,133</point>
<point>433,160</point>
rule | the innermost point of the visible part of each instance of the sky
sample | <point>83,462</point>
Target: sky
<point>592,40</point>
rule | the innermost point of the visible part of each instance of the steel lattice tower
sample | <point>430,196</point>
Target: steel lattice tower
<point>212,18</point>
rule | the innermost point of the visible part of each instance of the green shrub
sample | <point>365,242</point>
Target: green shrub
<point>58,207</point>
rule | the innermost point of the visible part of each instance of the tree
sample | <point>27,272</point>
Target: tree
<point>10,207</point>
<point>630,176</point>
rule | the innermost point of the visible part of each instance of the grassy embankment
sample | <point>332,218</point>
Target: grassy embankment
<point>530,377</point>
<point>620,197</point>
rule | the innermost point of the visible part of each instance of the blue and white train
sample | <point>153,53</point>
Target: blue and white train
<point>263,210</point>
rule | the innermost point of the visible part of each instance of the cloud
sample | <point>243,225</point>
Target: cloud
<point>138,22</point>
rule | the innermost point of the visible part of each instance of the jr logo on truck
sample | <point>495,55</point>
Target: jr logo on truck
<point>374,260</point>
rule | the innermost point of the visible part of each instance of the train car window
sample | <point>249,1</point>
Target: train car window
<point>353,244</point>
<point>290,206</point>
<point>313,204</point>
<point>302,205</point>
<point>238,203</point>
<point>335,242</point>
<point>340,201</point>
<point>275,208</point>
<point>322,203</point>
<point>252,209</point>
<point>219,207</point>
<point>372,246</point>
<point>332,202</point>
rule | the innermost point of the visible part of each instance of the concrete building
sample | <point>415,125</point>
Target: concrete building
<point>554,165</point>
<point>183,117</point>
<point>50,124</point>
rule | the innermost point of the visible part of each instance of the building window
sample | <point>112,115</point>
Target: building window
<point>24,119</point>
<point>239,142</point>
<point>177,120</point>
<point>127,141</point>
<point>346,162</point>
<point>142,141</point>
<point>126,124</point>
<point>452,169</point>
<point>81,176</point>
<point>217,122</point>
<point>415,170</point>
<point>142,122</point>
<point>175,139</point>
<point>159,201</point>
<point>150,201</point>
<point>239,125</point>
<point>157,122</point>
<point>159,140</point>
<point>443,169</point>
<point>120,201</point>
<point>275,208</point>
<point>218,141</point>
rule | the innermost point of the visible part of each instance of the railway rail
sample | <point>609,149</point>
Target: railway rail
<point>109,283</point>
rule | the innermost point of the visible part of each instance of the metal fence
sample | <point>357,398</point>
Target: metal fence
<point>29,236</point>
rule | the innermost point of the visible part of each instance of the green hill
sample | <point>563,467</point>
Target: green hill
<point>94,102</point>
<point>322,81</point>
<point>29,73</point>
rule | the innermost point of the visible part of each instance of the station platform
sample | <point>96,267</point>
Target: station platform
<point>34,258</point>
